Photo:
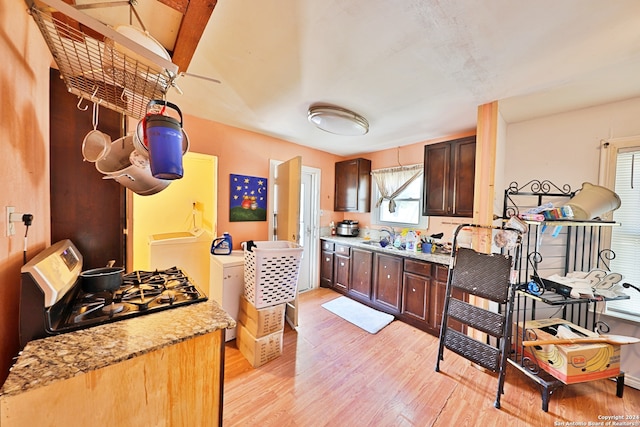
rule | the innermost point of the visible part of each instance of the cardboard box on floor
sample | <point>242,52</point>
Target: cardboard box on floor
<point>570,363</point>
<point>259,351</point>
<point>263,321</point>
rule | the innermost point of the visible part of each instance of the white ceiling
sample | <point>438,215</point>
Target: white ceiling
<point>416,69</point>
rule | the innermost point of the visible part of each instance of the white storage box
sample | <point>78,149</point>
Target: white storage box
<point>271,272</point>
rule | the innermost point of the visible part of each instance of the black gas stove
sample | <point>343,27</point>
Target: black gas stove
<point>52,300</point>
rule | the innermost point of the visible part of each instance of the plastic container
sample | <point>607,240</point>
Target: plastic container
<point>222,245</point>
<point>271,273</point>
<point>593,201</point>
<point>411,242</point>
<point>163,137</point>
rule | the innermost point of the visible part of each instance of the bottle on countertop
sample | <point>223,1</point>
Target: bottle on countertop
<point>222,245</point>
<point>333,228</point>
<point>411,242</point>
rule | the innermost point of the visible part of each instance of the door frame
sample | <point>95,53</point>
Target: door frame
<point>311,251</point>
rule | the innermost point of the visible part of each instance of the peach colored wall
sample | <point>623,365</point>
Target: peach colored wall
<point>247,153</point>
<point>24,158</point>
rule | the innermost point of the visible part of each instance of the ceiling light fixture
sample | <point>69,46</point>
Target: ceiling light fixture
<point>337,120</point>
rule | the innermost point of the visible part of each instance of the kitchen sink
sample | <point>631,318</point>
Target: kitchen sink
<point>378,245</point>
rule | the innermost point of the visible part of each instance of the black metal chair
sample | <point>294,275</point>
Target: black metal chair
<point>486,276</point>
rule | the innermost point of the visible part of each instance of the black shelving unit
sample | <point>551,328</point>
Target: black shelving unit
<point>554,246</point>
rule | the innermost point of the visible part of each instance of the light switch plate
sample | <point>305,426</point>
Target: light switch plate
<point>11,228</point>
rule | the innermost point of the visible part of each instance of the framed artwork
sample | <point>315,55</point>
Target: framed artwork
<point>248,198</point>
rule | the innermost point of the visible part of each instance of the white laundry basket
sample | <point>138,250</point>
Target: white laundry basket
<point>271,272</point>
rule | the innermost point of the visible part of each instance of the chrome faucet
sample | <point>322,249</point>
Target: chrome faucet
<point>392,234</point>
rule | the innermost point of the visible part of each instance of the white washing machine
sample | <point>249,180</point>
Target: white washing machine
<point>188,250</point>
<point>227,284</point>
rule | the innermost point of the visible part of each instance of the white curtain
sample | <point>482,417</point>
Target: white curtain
<point>391,182</point>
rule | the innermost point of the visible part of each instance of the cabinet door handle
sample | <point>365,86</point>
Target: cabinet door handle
<point>342,264</point>
<point>328,259</point>
<point>388,276</point>
<point>413,289</point>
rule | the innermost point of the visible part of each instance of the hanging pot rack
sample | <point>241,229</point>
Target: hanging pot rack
<point>98,63</point>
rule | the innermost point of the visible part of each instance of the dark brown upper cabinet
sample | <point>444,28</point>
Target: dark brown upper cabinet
<point>353,186</point>
<point>449,175</point>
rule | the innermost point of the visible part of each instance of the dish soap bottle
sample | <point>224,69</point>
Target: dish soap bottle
<point>222,245</point>
<point>411,241</point>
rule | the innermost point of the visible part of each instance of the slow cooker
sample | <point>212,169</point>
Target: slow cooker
<point>347,228</point>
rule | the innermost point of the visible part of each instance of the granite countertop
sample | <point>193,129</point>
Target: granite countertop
<point>60,357</point>
<point>359,242</point>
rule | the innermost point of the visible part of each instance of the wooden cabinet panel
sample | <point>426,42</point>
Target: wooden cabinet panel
<point>343,250</point>
<point>361,263</point>
<point>176,385</point>
<point>436,175</point>
<point>341,272</point>
<point>326,269</point>
<point>464,171</point>
<point>438,291</point>
<point>422,268</point>
<point>387,282</point>
<point>416,290</point>
<point>353,186</point>
<point>449,176</point>
<point>414,296</point>
<point>327,246</point>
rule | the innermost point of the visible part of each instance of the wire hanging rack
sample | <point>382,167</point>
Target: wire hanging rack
<point>99,64</point>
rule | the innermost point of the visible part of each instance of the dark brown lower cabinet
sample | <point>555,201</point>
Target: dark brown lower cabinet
<point>412,290</point>
<point>387,282</point>
<point>416,288</point>
<point>360,283</point>
<point>341,273</point>
<point>326,264</point>
<point>438,290</point>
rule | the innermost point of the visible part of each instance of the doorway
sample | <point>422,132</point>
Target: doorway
<point>309,226</point>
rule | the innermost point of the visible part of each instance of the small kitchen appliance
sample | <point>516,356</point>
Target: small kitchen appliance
<point>52,300</point>
<point>348,228</point>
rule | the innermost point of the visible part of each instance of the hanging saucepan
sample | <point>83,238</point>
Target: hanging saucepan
<point>103,279</point>
<point>125,169</point>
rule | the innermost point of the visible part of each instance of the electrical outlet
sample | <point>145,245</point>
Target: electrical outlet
<point>11,228</point>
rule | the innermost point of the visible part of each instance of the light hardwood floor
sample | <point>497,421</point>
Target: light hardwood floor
<point>333,373</point>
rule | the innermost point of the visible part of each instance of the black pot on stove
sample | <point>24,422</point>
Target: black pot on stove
<point>101,279</point>
<point>347,228</point>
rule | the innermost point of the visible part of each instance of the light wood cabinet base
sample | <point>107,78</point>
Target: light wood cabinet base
<point>178,385</point>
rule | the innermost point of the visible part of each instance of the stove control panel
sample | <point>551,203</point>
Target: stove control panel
<point>55,270</point>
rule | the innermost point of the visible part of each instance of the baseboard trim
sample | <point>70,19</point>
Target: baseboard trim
<point>632,381</point>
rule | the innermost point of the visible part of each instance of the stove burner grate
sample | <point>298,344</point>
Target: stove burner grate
<point>141,292</point>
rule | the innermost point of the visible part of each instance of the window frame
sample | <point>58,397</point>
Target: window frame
<point>608,165</point>
<point>423,221</point>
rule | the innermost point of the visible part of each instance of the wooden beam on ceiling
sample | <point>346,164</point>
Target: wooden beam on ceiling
<point>179,5</point>
<point>194,22</point>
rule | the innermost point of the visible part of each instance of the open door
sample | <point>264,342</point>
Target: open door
<point>287,184</point>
